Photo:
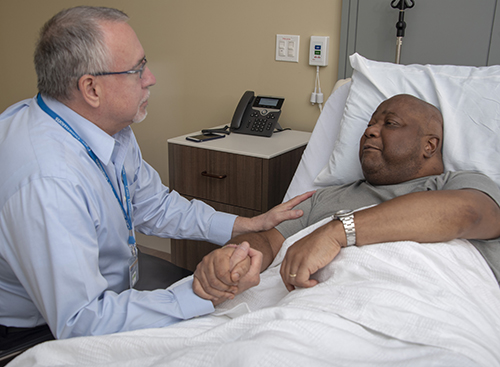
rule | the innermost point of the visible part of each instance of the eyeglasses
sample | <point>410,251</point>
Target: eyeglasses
<point>135,71</point>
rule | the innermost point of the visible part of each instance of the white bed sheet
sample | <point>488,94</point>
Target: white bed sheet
<point>385,305</point>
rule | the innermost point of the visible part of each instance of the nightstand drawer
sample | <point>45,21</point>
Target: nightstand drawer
<point>217,176</point>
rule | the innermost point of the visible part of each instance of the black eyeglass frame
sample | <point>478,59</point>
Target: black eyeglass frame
<point>134,71</point>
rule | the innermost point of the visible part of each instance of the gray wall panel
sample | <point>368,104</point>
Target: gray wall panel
<point>456,32</point>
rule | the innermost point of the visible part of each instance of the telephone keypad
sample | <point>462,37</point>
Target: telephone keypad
<point>261,121</point>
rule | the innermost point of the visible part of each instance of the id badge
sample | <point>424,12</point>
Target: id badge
<point>133,271</point>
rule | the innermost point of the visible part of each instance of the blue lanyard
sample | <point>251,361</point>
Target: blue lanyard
<point>126,213</point>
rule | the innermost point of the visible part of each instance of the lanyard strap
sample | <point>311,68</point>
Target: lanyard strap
<point>97,161</point>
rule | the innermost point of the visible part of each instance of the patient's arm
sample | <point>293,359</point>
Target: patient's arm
<point>217,278</point>
<point>431,216</point>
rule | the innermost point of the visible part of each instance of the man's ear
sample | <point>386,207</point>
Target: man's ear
<point>90,90</point>
<point>432,146</point>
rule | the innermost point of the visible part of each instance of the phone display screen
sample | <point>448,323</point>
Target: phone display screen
<point>268,102</point>
<point>204,137</point>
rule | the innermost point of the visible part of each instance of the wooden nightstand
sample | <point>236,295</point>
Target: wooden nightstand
<point>239,174</point>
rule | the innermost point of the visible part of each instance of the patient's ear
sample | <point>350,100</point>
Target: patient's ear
<point>89,90</point>
<point>432,146</point>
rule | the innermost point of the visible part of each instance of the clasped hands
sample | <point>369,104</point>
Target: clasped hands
<point>226,272</point>
<point>229,271</point>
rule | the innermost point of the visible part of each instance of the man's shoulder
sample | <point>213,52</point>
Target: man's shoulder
<point>34,147</point>
<point>15,108</point>
<point>465,175</point>
<point>456,180</point>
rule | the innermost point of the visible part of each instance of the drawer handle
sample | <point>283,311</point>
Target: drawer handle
<point>211,175</point>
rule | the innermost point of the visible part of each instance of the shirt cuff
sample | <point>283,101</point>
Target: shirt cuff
<point>221,227</point>
<point>190,304</point>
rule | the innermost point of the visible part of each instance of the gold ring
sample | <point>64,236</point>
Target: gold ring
<point>293,275</point>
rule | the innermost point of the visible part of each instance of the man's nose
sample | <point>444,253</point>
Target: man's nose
<point>148,77</point>
<point>372,131</point>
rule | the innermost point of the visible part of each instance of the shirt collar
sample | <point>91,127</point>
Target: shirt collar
<point>101,143</point>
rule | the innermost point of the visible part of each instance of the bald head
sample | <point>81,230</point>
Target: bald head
<point>431,119</point>
<point>402,141</point>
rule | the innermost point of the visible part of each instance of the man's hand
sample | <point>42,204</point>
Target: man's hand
<point>271,218</point>
<point>310,254</point>
<point>226,272</point>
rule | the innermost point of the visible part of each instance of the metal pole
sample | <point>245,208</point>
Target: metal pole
<point>401,25</point>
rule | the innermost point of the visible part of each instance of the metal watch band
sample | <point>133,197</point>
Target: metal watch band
<point>347,219</point>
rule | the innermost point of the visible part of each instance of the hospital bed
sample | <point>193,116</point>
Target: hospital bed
<point>389,304</point>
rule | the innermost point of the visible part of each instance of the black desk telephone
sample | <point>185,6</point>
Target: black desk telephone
<point>256,115</point>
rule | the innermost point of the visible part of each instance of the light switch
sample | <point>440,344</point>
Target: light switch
<point>287,48</point>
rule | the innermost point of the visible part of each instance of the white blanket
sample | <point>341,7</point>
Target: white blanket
<point>391,304</point>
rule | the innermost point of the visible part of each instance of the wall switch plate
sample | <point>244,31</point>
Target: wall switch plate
<point>287,48</point>
<point>318,51</point>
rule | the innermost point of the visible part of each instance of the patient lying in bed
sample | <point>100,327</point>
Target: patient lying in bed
<point>409,198</point>
<point>423,295</point>
<point>400,154</point>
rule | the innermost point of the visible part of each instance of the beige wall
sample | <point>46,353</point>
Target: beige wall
<point>204,54</point>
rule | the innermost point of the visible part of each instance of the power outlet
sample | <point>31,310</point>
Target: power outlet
<point>287,48</point>
<point>318,51</point>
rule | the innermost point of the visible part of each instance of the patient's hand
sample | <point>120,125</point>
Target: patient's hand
<point>310,254</point>
<point>226,272</point>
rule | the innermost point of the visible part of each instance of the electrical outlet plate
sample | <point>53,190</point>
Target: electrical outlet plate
<point>287,48</point>
<point>318,51</point>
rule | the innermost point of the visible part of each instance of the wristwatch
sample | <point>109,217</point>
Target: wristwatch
<point>347,219</point>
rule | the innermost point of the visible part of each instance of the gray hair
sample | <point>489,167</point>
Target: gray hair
<point>71,44</point>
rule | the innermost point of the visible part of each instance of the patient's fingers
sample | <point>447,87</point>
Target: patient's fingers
<point>240,253</point>
<point>306,256</point>
<point>249,277</point>
<point>301,277</point>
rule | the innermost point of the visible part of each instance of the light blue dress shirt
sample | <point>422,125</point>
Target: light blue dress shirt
<point>64,257</point>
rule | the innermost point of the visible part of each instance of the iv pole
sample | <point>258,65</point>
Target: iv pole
<point>401,25</point>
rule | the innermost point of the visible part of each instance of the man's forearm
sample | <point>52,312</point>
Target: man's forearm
<point>431,216</point>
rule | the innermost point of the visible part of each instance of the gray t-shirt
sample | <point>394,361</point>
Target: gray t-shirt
<point>325,202</point>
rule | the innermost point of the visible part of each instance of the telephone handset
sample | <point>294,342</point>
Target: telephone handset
<point>256,115</point>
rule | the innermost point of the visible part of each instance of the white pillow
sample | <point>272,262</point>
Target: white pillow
<point>320,146</point>
<point>468,97</point>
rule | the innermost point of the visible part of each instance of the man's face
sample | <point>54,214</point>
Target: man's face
<point>124,96</point>
<point>392,146</point>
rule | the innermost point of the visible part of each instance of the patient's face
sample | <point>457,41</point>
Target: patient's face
<point>391,148</point>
